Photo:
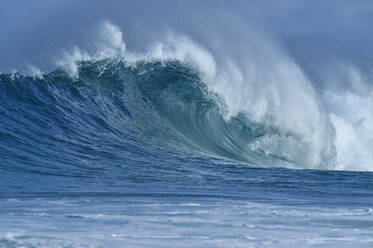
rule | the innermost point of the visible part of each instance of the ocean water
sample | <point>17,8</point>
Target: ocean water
<point>186,143</point>
<point>141,156</point>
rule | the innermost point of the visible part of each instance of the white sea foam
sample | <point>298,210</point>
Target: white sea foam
<point>217,224</point>
<point>352,119</point>
<point>34,71</point>
<point>69,60</point>
<point>109,44</point>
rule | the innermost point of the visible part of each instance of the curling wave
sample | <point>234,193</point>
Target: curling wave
<point>258,108</point>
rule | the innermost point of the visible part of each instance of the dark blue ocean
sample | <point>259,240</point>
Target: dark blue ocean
<point>186,124</point>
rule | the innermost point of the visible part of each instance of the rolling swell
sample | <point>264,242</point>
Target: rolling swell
<point>114,111</point>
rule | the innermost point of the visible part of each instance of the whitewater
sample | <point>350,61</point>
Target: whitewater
<point>200,133</point>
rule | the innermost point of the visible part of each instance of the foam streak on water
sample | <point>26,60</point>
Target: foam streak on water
<point>224,207</point>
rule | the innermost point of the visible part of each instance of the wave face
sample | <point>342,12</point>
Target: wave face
<point>125,106</point>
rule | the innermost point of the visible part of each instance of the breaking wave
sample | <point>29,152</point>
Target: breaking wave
<point>258,107</point>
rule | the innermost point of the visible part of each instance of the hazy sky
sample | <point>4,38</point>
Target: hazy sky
<point>36,31</point>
